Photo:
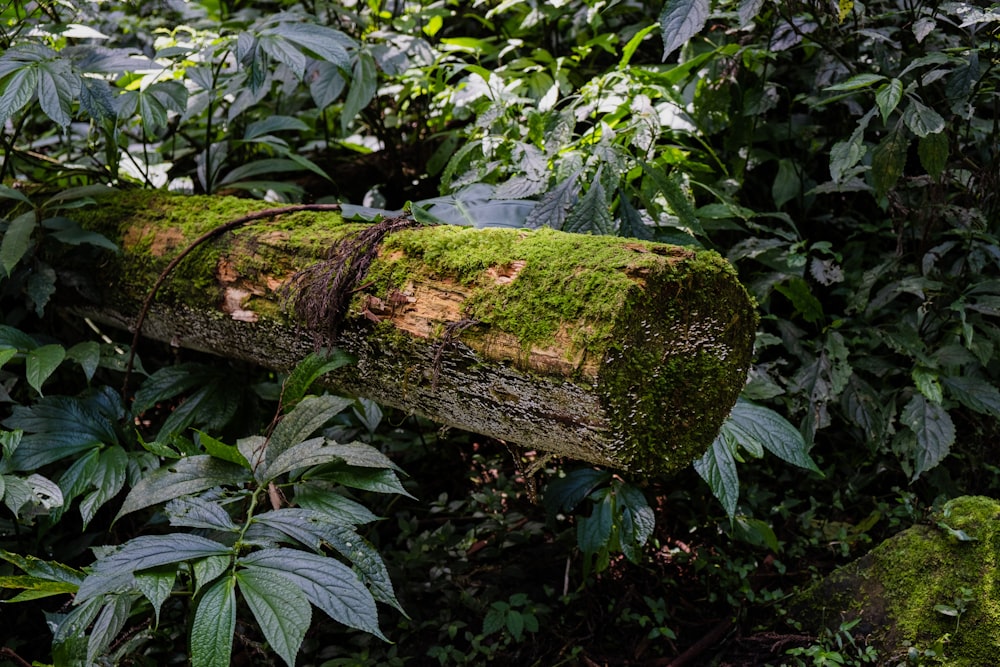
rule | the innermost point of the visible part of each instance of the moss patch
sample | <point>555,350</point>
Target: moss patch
<point>895,588</point>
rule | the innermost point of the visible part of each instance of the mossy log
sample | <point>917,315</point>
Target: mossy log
<point>619,352</point>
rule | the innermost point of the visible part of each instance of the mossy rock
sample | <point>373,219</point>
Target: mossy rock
<point>907,592</point>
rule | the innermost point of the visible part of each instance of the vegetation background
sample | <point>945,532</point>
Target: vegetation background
<point>843,155</point>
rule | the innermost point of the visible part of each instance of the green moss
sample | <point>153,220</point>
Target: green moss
<point>895,588</point>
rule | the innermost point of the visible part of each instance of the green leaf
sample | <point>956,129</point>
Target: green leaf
<point>113,572</point>
<point>306,372</point>
<point>309,414</point>
<point>15,338</point>
<point>887,98</point>
<point>156,585</point>
<point>927,383</point>
<point>326,83</point>
<point>208,569</point>
<point>773,432</point>
<point>316,496</point>
<point>7,192</point>
<point>271,124</point>
<point>314,529</point>
<point>214,624</point>
<point>177,478</point>
<point>68,231</point>
<point>108,479</point>
<point>18,89</point>
<point>318,41</point>
<point>593,533</point>
<point>748,11</point>
<point>933,151</point>
<point>629,49</point>
<point>680,20</point>
<point>631,223</point>
<point>563,494</point>
<point>195,512</point>
<point>61,426</point>
<point>16,240</point>
<point>327,583</point>
<point>42,363</point>
<point>718,468</point>
<point>364,84</point>
<point>34,588</point>
<point>88,355</point>
<point>974,393</point>
<point>107,625</point>
<point>592,214</point>
<point>637,520</point>
<point>554,206</point>
<point>169,382</point>
<point>787,184</point>
<point>40,286</point>
<point>888,161</point>
<point>677,199</point>
<point>282,611</point>
<point>921,119</point>
<point>857,82</point>
<point>379,481</point>
<point>806,304</point>
<point>220,450</point>
<point>317,451</point>
<point>934,430</point>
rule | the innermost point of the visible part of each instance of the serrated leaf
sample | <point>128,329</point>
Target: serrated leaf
<point>975,393</point>
<point>927,383</point>
<point>773,432</point>
<point>156,585</point>
<point>330,585</point>
<point>592,213</point>
<point>34,588</point>
<point>18,90</point>
<point>637,521</point>
<point>364,84</point>
<point>933,151</point>
<point>314,529</point>
<point>16,240</point>
<point>72,628</point>
<point>316,496</point>
<point>379,481</point>
<point>282,611</point>
<point>554,206</point>
<point>310,413</point>
<point>680,20</point>
<point>208,569</point>
<point>934,429</point>
<point>214,624</point>
<point>306,372</point>
<point>45,570</point>
<point>107,625</point>
<point>888,161</point>
<point>188,475</point>
<point>40,286</point>
<point>317,451</point>
<point>718,468</point>
<point>677,199</point>
<point>114,570</point>
<point>887,98</point>
<point>563,494</point>
<point>631,223</point>
<point>195,512</point>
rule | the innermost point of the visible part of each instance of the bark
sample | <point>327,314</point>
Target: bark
<point>618,352</point>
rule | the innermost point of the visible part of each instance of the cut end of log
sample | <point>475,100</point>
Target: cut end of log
<point>619,352</point>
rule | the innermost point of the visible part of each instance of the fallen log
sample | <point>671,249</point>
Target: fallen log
<point>618,352</point>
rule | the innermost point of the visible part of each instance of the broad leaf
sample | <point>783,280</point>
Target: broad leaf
<point>156,585</point>
<point>857,82</point>
<point>42,363</point>
<point>593,532</point>
<point>114,571</point>
<point>592,213</point>
<point>16,240</point>
<point>107,625</point>
<point>88,355</point>
<point>220,450</point>
<point>177,478</point>
<point>888,161</point>
<point>317,496</point>
<point>887,98</point>
<point>107,479</point>
<point>364,84</point>
<point>329,584</point>
<point>677,199</point>
<point>718,468</point>
<point>318,41</point>
<point>282,611</point>
<point>921,119</point>
<point>196,512</point>
<point>750,422</point>
<point>975,393</point>
<point>317,451</point>
<point>214,624</point>
<point>680,20</point>
<point>933,151</point>
<point>300,423</point>
<point>306,372</point>
<point>934,429</point>
<point>637,520</point>
<point>554,206</point>
<point>565,493</point>
<point>379,481</point>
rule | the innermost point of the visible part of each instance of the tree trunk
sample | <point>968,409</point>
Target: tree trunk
<point>619,352</point>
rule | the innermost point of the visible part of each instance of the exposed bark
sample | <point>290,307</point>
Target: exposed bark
<point>613,351</point>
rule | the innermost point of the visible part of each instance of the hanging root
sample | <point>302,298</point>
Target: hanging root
<point>322,293</point>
